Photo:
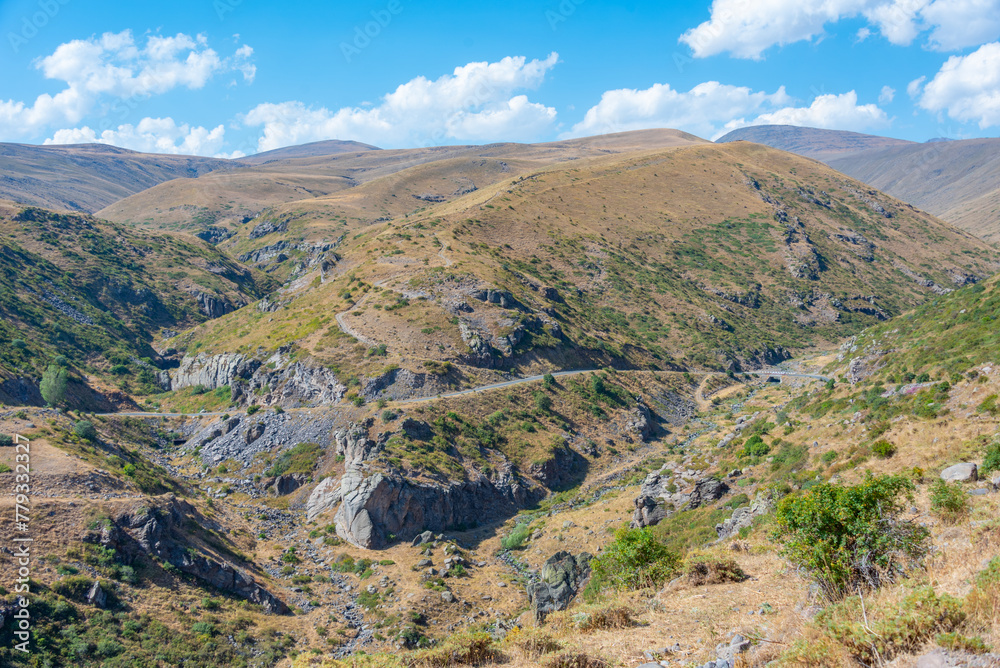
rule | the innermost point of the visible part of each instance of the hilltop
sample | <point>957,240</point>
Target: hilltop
<point>817,143</point>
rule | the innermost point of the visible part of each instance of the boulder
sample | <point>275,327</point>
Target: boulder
<point>96,596</point>
<point>324,497</point>
<point>707,490</point>
<point>965,472</point>
<point>286,484</point>
<point>562,576</point>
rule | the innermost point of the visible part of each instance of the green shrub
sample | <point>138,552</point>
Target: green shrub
<point>988,405</point>
<point>635,559</point>
<point>948,500</point>
<point>883,449</point>
<point>848,536</point>
<point>991,459</point>
<point>53,385</point>
<point>958,642</point>
<point>756,447</point>
<point>6,440</point>
<point>85,429</point>
<point>300,459</point>
<point>515,538</point>
<point>252,408</point>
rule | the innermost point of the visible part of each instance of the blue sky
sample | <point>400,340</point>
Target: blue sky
<point>232,77</point>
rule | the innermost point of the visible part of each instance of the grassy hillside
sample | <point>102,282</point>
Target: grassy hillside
<point>707,256</point>
<point>307,177</point>
<point>88,177</point>
<point>817,143</point>
<point>956,180</point>
<point>97,293</point>
<point>945,338</point>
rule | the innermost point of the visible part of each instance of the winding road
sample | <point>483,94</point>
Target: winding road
<point>496,386</point>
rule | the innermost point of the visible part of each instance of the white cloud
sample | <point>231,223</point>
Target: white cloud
<point>151,135</point>
<point>711,109</point>
<point>886,95</point>
<point>115,66</point>
<point>967,88</point>
<point>833,112</point>
<point>747,29</point>
<point>914,87</point>
<point>476,103</point>
<point>699,111</point>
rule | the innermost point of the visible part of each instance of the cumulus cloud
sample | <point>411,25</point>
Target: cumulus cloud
<point>151,135</point>
<point>886,95</point>
<point>699,111</point>
<point>115,66</point>
<point>476,102</point>
<point>833,112</point>
<point>711,109</point>
<point>967,88</point>
<point>747,29</point>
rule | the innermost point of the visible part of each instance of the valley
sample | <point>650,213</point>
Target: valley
<point>552,404</point>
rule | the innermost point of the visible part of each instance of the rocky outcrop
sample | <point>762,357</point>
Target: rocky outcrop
<point>215,235</point>
<point>379,508</point>
<point>268,227</point>
<point>640,422</point>
<point>324,497</point>
<point>705,491</point>
<point>292,385</point>
<point>743,517</point>
<point>157,533</point>
<point>283,484</point>
<point>656,500</point>
<point>214,306</point>
<point>561,578</point>
<point>565,466</point>
<point>212,371</point>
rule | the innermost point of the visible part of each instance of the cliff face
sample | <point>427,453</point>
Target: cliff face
<point>157,532</point>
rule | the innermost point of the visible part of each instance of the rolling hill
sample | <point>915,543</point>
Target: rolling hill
<point>958,181</point>
<point>820,144</point>
<point>88,177</point>
<point>699,256</point>
<point>229,199</point>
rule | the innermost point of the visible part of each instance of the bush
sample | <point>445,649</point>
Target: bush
<point>991,459</point>
<point>609,617</point>
<point>848,536</point>
<point>252,408</point>
<point>6,440</point>
<point>85,429</point>
<point>531,643</point>
<point>635,559</point>
<point>548,381</point>
<point>53,385</point>
<point>576,660</point>
<point>949,500</point>
<point>543,402</point>
<point>515,538</point>
<point>883,449</point>
<point>902,627</point>
<point>715,572</point>
<point>755,447</point>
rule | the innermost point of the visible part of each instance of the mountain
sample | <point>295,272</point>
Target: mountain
<point>311,150</point>
<point>820,144</point>
<point>88,177</point>
<point>232,198</point>
<point>97,294</point>
<point>959,181</point>
<point>723,256</point>
<point>510,405</point>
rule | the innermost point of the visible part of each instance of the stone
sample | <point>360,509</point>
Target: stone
<point>324,497</point>
<point>561,577</point>
<point>965,472</point>
<point>447,597</point>
<point>96,595</point>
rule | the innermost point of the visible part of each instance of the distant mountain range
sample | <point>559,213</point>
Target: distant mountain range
<point>959,181</point>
